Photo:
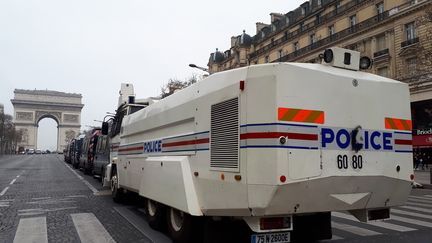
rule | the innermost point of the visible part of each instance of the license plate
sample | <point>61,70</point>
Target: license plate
<point>280,237</point>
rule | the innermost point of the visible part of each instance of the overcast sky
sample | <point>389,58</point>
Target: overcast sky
<point>91,46</point>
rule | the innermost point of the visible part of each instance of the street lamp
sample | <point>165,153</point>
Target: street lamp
<point>198,67</point>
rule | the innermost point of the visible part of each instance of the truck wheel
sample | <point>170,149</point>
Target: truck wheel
<point>116,192</point>
<point>155,214</point>
<point>180,225</point>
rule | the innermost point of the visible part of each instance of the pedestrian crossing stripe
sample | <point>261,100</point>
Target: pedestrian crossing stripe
<point>90,229</point>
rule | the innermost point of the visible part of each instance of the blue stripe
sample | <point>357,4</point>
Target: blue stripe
<point>272,124</point>
<point>276,146</point>
<point>406,133</point>
<point>187,135</point>
<point>403,151</point>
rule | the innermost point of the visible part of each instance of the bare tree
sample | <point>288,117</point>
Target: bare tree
<point>9,137</point>
<point>174,85</point>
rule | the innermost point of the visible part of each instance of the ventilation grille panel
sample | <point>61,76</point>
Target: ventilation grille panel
<point>224,130</point>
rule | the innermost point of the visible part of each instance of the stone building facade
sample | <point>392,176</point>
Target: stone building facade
<point>395,34</point>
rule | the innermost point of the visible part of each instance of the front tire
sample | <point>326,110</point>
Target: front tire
<point>180,225</point>
<point>155,213</point>
<point>116,192</point>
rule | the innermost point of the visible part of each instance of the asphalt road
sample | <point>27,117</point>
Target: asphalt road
<point>42,199</point>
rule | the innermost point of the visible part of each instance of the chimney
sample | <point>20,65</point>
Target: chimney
<point>260,26</point>
<point>275,16</point>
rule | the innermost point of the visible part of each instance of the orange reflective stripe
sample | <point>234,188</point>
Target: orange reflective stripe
<point>397,124</point>
<point>300,115</point>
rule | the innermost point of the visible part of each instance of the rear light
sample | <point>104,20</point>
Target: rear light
<point>242,85</point>
<point>275,223</point>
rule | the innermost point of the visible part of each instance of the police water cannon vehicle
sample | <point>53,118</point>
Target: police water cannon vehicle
<point>278,145</point>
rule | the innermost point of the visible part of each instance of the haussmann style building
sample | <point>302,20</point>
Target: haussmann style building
<point>395,34</point>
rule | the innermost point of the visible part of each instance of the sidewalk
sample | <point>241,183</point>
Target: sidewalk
<point>423,177</point>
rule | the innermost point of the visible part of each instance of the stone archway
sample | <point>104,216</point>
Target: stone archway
<point>31,106</point>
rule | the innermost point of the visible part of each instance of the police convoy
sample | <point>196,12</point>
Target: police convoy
<point>279,146</point>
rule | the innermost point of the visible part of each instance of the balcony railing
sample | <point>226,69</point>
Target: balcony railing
<point>381,53</point>
<point>307,27</point>
<point>364,25</point>
<point>409,42</point>
<point>335,37</point>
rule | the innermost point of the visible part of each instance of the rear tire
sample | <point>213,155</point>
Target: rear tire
<point>181,226</point>
<point>155,213</point>
<point>116,192</point>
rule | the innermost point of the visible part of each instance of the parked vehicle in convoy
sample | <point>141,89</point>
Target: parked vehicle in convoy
<point>30,151</point>
<point>68,154</point>
<point>279,146</point>
<point>88,150</point>
<point>101,157</point>
<point>77,150</point>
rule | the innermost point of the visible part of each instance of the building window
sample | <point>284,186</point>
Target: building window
<point>410,31</point>
<point>266,59</point>
<point>337,6</point>
<point>301,26</point>
<point>296,46</point>
<point>318,19</point>
<point>303,10</point>
<point>411,65</point>
<point>286,35</point>
<point>319,2</point>
<point>280,53</point>
<point>312,39</point>
<point>380,8</point>
<point>353,20</point>
<point>382,71</point>
<point>331,30</point>
<point>381,43</point>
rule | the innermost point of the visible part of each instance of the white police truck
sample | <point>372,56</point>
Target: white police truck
<point>278,145</point>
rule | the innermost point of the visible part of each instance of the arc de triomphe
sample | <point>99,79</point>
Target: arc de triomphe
<point>31,106</point>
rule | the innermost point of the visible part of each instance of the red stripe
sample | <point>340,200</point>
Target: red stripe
<point>403,142</point>
<point>183,143</point>
<point>260,135</point>
<point>131,149</point>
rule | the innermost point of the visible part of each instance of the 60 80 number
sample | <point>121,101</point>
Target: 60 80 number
<point>356,161</point>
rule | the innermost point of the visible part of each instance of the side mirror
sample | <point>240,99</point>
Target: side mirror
<point>105,128</point>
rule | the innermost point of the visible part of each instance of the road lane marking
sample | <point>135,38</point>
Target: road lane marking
<point>40,198</point>
<point>412,221</point>
<point>13,181</point>
<point>419,215</point>
<point>354,229</point>
<point>90,229</point>
<point>90,186</point>
<point>423,198</point>
<point>31,230</point>
<point>53,201</point>
<point>419,200</point>
<point>381,224</point>
<point>426,205</point>
<point>424,210</point>
<point>4,191</point>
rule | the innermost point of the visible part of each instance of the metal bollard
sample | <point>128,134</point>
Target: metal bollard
<point>430,175</point>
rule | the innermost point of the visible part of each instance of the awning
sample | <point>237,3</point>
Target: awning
<point>422,141</point>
